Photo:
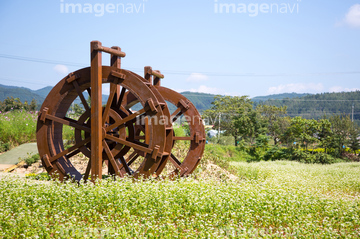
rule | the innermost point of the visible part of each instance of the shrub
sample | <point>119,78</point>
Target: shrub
<point>324,158</point>
<point>4,146</point>
<point>224,140</point>
<point>277,153</point>
<point>31,159</point>
<point>318,150</point>
<point>302,156</point>
<point>40,176</point>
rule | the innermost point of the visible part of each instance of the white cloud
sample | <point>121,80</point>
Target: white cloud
<point>197,77</point>
<point>210,90</point>
<point>352,17</point>
<point>297,88</point>
<point>61,69</point>
<point>342,89</point>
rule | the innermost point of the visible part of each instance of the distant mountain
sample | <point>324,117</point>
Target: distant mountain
<point>9,86</point>
<point>278,96</point>
<point>24,94</point>
<point>43,92</point>
<point>306,105</point>
<point>318,105</point>
<point>202,101</point>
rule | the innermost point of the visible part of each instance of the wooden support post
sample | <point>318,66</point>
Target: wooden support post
<point>147,74</point>
<point>115,61</point>
<point>96,111</point>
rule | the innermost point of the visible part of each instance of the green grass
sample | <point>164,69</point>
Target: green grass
<point>341,179</point>
<point>186,208</point>
<point>17,127</point>
<point>228,152</point>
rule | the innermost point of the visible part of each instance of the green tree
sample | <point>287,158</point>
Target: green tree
<point>76,110</point>
<point>354,143</point>
<point>325,133</point>
<point>30,107</point>
<point>249,124</point>
<point>11,104</point>
<point>341,126</point>
<point>227,108</point>
<point>302,130</point>
<point>276,122</point>
<point>33,105</point>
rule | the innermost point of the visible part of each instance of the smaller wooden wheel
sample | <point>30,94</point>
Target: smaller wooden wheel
<point>184,114</point>
<point>183,163</point>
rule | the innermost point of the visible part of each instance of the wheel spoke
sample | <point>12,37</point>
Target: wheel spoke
<point>174,116</point>
<point>131,159</point>
<point>126,119</point>
<point>141,144</point>
<point>87,171</point>
<point>68,121</point>
<point>183,138</point>
<point>125,165</point>
<point>121,97</point>
<point>108,104</point>
<point>175,162</point>
<point>82,98</point>
<point>111,158</point>
<point>69,150</point>
<point>72,154</point>
<point>125,110</point>
<point>147,131</point>
<point>175,112</point>
<point>89,91</point>
<point>140,137</point>
<point>130,144</point>
<point>116,88</point>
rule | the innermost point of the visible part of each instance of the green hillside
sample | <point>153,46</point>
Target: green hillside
<point>306,105</point>
<point>24,94</point>
<point>278,96</point>
<point>43,92</point>
<point>315,106</point>
<point>202,101</point>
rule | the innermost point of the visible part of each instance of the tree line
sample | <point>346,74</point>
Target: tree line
<point>11,103</point>
<point>315,106</point>
<point>265,128</point>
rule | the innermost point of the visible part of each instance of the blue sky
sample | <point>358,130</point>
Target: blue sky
<point>312,46</point>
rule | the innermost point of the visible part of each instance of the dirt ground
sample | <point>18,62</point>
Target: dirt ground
<point>208,170</point>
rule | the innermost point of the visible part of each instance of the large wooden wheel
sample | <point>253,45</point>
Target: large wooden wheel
<point>119,142</point>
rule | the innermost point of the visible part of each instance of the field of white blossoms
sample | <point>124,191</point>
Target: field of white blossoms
<point>270,199</point>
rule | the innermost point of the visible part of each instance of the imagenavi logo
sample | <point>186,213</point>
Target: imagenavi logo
<point>100,9</point>
<point>254,9</point>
